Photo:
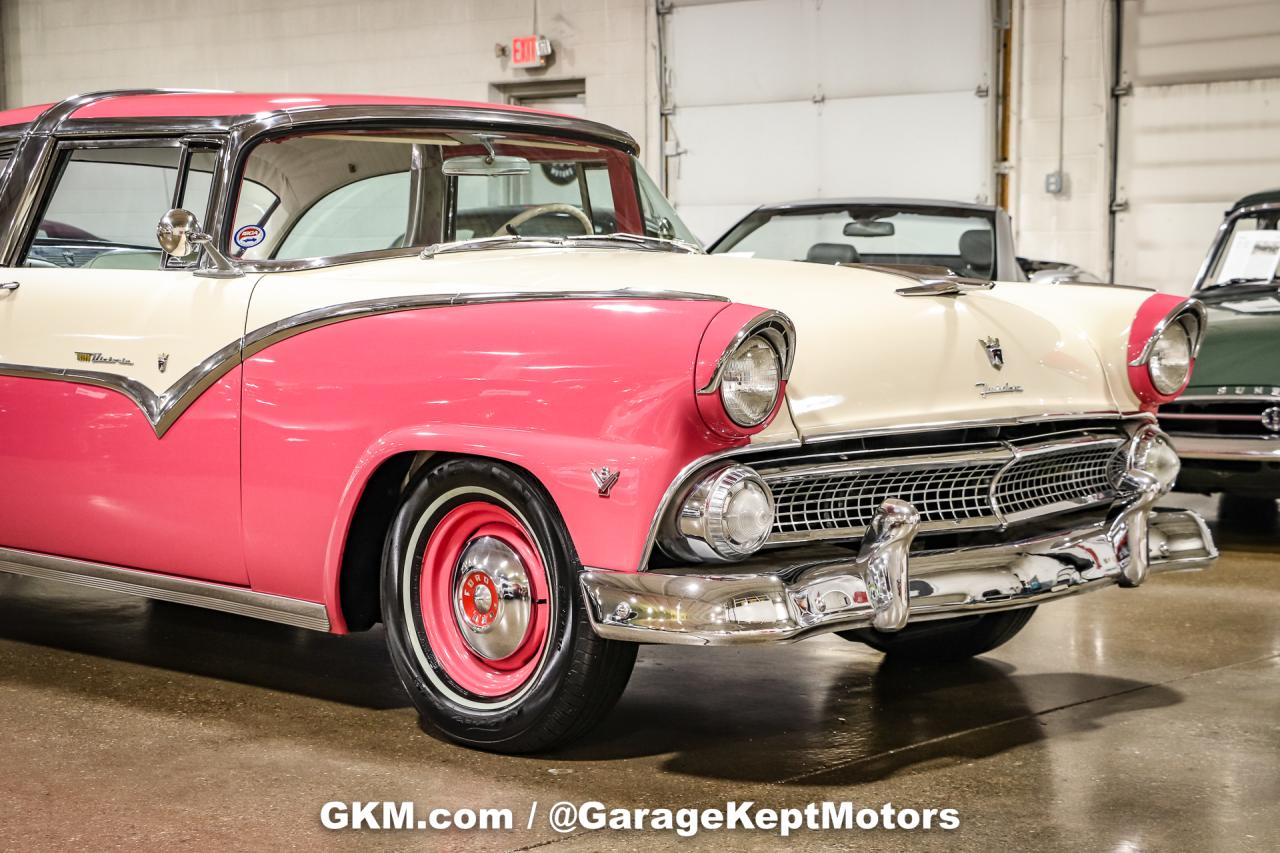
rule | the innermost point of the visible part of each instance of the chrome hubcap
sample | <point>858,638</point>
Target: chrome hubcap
<point>491,598</point>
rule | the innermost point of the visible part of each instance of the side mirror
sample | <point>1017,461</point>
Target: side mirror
<point>179,235</point>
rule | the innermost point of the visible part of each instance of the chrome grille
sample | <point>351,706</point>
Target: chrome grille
<point>952,491</point>
<point>1056,478</point>
<point>848,500</point>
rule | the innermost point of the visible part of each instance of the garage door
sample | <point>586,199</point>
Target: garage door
<point>1200,129</point>
<point>775,100</point>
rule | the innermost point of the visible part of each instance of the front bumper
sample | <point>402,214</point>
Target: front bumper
<point>884,587</point>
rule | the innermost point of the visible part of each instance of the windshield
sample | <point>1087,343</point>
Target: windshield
<point>961,240</point>
<point>1248,252</point>
<point>327,194</point>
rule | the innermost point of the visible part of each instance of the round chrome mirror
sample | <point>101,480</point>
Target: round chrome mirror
<point>176,231</point>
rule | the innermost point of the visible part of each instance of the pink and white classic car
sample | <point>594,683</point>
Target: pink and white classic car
<point>461,370</point>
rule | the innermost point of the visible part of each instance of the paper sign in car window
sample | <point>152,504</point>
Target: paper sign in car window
<point>1253,255</point>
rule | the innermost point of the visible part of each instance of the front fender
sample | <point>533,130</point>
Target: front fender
<point>556,388</point>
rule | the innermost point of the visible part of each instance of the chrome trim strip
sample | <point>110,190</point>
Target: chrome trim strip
<point>762,323</point>
<point>786,597</point>
<point>228,599</point>
<point>1225,448</point>
<point>1224,398</point>
<point>784,473</point>
<point>1176,416</point>
<point>163,410</point>
<point>977,424</point>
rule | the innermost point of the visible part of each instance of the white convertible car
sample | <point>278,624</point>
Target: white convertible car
<point>443,366</point>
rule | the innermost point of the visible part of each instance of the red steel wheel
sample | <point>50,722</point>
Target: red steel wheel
<point>486,623</point>
<point>483,599</point>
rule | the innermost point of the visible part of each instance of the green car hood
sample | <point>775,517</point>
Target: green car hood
<point>1242,343</point>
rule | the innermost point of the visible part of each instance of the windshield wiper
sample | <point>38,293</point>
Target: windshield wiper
<point>570,241</point>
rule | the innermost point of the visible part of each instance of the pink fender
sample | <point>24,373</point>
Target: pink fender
<point>556,387</point>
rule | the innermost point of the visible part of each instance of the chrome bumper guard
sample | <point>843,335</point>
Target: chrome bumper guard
<point>883,588</point>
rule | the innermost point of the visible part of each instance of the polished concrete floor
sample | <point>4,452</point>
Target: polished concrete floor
<point>1127,720</point>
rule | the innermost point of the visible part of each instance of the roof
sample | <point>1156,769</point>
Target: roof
<point>1264,197</point>
<point>878,201</point>
<point>161,104</point>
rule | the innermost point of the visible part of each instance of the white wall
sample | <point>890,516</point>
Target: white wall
<point>432,48</point>
<point>1073,225</point>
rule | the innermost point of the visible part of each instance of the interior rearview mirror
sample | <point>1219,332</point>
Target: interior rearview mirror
<point>486,165</point>
<point>868,228</point>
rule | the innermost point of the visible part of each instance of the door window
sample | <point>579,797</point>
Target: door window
<point>105,203</point>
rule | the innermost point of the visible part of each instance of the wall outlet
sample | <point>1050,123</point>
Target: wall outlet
<point>1054,182</point>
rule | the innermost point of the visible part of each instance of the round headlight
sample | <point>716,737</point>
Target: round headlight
<point>750,382</point>
<point>1170,362</point>
<point>727,516</point>
<point>1151,452</point>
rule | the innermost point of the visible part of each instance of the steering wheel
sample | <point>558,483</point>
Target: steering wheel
<point>524,216</point>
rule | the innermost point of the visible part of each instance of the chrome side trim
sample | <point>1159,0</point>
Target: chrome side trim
<point>1224,448</point>
<point>163,410</point>
<point>212,596</point>
<point>788,596</point>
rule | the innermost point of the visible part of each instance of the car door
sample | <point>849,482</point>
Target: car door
<point>119,372</point>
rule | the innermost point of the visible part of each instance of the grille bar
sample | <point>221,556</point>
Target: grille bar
<point>953,491</point>
<point>1228,415</point>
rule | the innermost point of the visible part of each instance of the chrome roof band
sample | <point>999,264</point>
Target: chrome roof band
<point>162,410</point>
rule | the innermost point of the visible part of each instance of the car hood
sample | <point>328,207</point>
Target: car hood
<point>867,357</point>
<point>1242,342</point>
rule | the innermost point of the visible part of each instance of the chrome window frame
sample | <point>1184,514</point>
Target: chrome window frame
<point>61,154</point>
<point>1218,245</point>
<point>24,182</point>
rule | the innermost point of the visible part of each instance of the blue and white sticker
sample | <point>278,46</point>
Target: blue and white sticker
<point>249,236</point>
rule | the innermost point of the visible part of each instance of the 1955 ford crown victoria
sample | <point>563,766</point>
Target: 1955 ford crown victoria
<point>459,369</point>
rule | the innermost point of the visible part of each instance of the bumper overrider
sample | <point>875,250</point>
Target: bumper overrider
<point>781,597</point>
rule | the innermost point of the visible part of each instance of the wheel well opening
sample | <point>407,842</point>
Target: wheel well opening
<point>359,583</point>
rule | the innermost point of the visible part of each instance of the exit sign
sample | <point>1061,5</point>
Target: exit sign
<point>530,51</point>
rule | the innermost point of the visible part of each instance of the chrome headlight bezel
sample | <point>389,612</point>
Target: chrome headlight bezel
<point>733,418</point>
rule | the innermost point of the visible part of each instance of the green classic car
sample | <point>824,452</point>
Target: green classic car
<point>1226,426</point>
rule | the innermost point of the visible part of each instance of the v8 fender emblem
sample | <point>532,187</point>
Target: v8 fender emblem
<point>605,479</point>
